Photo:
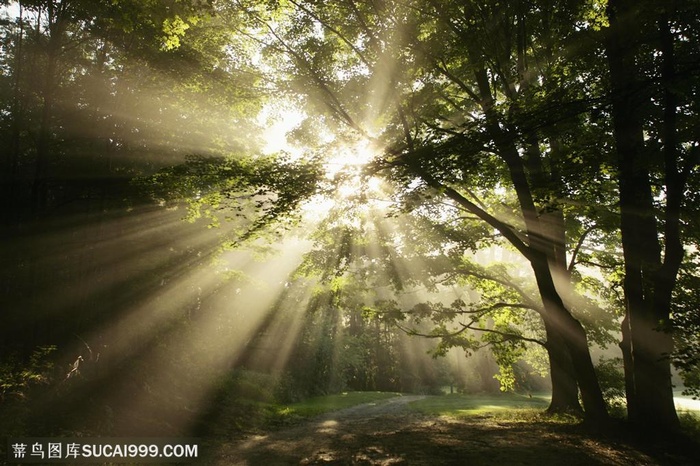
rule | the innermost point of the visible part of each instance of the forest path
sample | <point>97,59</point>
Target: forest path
<point>389,433</point>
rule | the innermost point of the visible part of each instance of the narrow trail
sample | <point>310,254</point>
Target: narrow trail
<point>389,433</point>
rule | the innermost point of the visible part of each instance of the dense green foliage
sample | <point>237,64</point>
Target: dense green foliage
<point>514,181</point>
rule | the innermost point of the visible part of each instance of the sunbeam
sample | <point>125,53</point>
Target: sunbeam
<point>217,216</point>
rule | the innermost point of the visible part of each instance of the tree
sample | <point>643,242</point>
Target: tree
<point>94,94</point>
<point>479,90</point>
<point>463,112</point>
<point>653,77</point>
<point>498,126</point>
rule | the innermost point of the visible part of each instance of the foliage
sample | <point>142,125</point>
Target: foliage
<point>687,326</point>
<point>247,400</point>
<point>22,384</point>
<point>241,401</point>
<point>612,382</point>
<point>252,193</point>
<point>690,425</point>
<point>17,377</point>
<point>480,98</point>
<point>497,131</point>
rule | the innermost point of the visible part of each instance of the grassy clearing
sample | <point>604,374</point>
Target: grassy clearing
<point>513,408</point>
<point>246,401</point>
<point>286,414</point>
<point>503,405</point>
<point>322,404</point>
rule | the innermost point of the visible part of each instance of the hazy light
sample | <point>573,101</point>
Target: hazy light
<point>350,158</point>
<point>279,120</point>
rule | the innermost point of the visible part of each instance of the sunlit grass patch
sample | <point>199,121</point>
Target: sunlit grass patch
<point>278,415</point>
<point>245,401</point>
<point>506,406</point>
<point>322,404</point>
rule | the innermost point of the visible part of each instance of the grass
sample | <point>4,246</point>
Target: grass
<point>508,405</point>
<point>245,401</point>
<point>286,414</point>
<point>248,405</point>
<point>503,405</point>
<point>322,404</point>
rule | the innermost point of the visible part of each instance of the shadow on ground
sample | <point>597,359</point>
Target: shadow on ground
<point>389,433</point>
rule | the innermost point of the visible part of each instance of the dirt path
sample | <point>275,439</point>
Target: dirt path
<point>388,433</point>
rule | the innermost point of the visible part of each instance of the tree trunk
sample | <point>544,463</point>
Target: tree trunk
<point>628,364</point>
<point>11,162</point>
<point>542,256</point>
<point>56,26</point>
<point>561,369</point>
<point>653,404</point>
<point>648,283</point>
<point>564,327</point>
<point>565,391</point>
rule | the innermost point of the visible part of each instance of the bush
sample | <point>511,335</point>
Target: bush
<point>289,390</point>
<point>690,425</point>
<point>19,379</point>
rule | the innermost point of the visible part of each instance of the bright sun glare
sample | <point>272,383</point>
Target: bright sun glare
<point>351,158</point>
<point>345,173</point>
<point>344,164</point>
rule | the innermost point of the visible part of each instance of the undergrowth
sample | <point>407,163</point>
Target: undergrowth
<point>690,424</point>
<point>248,401</point>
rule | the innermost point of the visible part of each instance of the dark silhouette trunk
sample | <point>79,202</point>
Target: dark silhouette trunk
<point>562,374</point>
<point>563,327</point>
<point>13,204</point>
<point>542,254</point>
<point>40,186</point>
<point>648,281</point>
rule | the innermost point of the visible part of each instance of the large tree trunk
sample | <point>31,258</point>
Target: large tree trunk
<point>648,282</point>
<point>562,374</point>
<point>542,255</point>
<point>565,389</point>
<point>564,327</point>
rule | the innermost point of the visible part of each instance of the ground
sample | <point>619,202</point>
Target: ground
<point>389,433</point>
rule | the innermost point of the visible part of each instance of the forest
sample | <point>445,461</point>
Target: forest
<point>214,207</point>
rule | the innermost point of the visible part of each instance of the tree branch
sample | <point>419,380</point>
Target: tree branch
<point>506,336</point>
<point>334,31</point>
<point>579,243</point>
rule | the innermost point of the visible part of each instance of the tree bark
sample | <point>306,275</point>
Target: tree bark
<point>562,374</point>
<point>569,330</point>
<point>648,281</point>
